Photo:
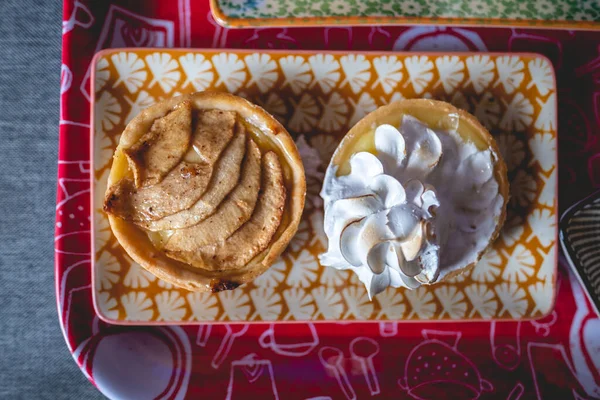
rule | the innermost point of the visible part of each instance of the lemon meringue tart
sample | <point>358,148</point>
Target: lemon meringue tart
<point>415,193</point>
<point>205,190</point>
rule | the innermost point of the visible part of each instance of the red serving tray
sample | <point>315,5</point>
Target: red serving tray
<point>556,357</point>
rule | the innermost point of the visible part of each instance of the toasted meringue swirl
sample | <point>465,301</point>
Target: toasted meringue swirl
<point>424,204</point>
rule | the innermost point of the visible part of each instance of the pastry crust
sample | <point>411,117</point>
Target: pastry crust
<point>438,115</point>
<point>270,135</point>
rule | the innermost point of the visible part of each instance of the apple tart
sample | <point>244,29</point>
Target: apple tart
<point>415,193</point>
<point>205,191</point>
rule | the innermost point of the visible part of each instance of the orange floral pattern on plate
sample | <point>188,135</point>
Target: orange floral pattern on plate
<point>319,96</point>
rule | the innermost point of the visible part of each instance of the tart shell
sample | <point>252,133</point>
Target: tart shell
<point>272,135</point>
<point>437,115</point>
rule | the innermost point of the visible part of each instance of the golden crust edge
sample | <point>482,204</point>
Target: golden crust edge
<point>137,245</point>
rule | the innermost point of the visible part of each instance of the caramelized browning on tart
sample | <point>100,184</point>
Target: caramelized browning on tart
<point>234,211</point>
<point>162,148</point>
<point>186,181</point>
<point>179,190</point>
<point>224,179</point>
<point>201,184</point>
<point>214,129</point>
<point>244,231</point>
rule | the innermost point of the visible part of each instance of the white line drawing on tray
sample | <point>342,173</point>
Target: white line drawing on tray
<point>517,392</point>
<point>436,364</point>
<point>505,342</point>
<point>123,28</point>
<point>265,38</point>
<point>542,326</point>
<point>363,349</point>
<point>584,339</point>
<point>220,36</point>
<point>233,331</point>
<point>84,165</point>
<point>66,77</point>
<point>376,30</point>
<point>72,188</point>
<point>527,40</point>
<point>184,23</point>
<point>203,334</point>
<point>388,329</point>
<point>80,16</point>
<point>251,374</point>
<point>83,348</point>
<point>63,237</point>
<point>333,362</point>
<point>74,123</point>
<point>590,68</point>
<point>423,38</point>
<point>538,354</point>
<point>268,339</point>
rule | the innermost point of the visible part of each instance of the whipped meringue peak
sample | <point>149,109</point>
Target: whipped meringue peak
<point>422,204</point>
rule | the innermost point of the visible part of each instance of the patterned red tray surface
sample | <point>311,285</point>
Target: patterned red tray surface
<point>555,357</point>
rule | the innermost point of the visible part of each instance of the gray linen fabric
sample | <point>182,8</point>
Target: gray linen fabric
<point>34,360</point>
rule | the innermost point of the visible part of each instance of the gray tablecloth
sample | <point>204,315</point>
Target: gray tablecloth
<point>34,360</point>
